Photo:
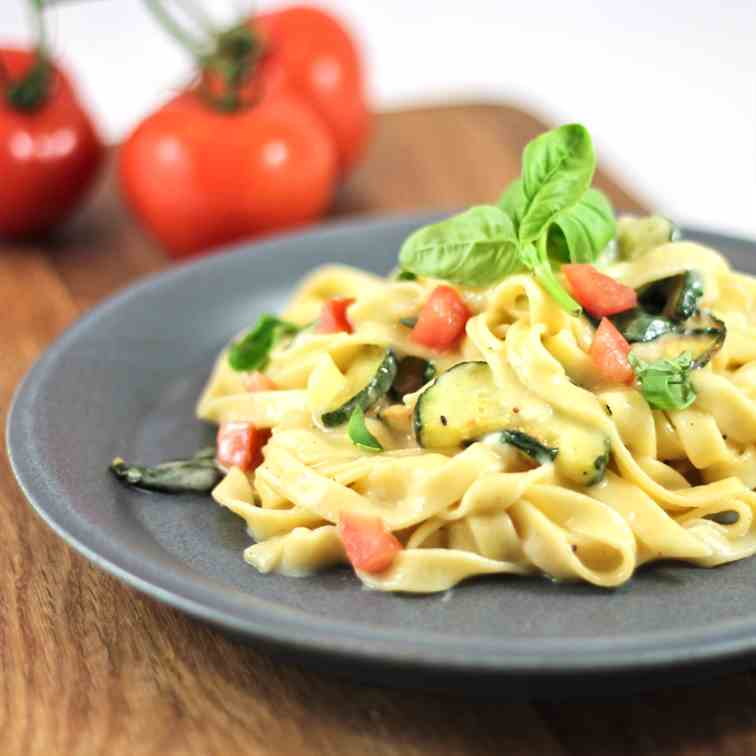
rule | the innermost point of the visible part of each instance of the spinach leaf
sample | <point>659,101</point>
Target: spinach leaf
<point>666,384</point>
<point>196,475</point>
<point>475,248</point>
<point>252,350</point>
<point>358,433</point>
<point>557,170</point>
<point>582,233</point>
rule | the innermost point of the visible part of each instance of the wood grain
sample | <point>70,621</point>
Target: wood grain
<point>89,666</point>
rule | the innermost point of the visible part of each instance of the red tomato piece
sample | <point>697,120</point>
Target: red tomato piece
<point>442,320</point>
<point>600,294</point>
<point>50,155</point>
<point>311,54</point>
<point>240,445</point>
<point>369,546</point>
<point>609,352</point>
<point>257,381</point>
<point>333,317</point>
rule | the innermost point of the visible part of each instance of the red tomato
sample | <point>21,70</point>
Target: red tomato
<point>240,445</point>
<point>311,53</point>
<point>333,317</point>
<point>257,381</point>
<point>442,320</point>
<point>49,155</point>
<point>198,177</point>
<point>600,295</point>
<point>609,352</point>
<point>369,546</point>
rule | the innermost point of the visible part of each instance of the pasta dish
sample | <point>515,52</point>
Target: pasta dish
<point>538,388</point>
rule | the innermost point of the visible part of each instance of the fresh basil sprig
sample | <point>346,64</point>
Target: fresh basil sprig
<point>548,216</point>
<point>251,352</point>
<point>358,433</point>
<point>666,384</point>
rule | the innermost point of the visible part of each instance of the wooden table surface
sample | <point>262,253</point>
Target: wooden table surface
<point>88,665</point>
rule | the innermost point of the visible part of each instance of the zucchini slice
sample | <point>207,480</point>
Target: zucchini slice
<point>702,335</point>
<point>461,405</point>
<point>675,298</point>
<point>413,373</point>
<point>636,236</point>
<point>639,326</point>
<point>464,404</point>
<point>369,377</point>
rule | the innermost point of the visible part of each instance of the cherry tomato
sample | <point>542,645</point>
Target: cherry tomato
<point>240,445</point>
<point>312,54</point>
<point>198,177</point>
<point>442,320</point>
<point>369,546</point>
<point>600,294</point>
<point>609,352</point>
<point>257,381</point>
<point>49,154</point>
<point>333,317</point>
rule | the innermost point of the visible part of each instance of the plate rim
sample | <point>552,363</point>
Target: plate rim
<point>312,635</point>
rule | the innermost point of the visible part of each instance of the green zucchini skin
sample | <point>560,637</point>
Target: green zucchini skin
<point>529,446</point>
<point>639,326</point>
<point>366,397</point>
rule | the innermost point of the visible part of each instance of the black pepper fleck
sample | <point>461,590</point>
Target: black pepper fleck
<point>516,410</point>
<point>444,421</point>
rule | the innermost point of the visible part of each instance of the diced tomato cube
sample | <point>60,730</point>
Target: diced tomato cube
<point>257,381</point>
<point>240,445</point>
<point>442,320</point>
<point>369,546</point>
<point>600,294</point>
<point>333,316</point>
<point>609,352</point>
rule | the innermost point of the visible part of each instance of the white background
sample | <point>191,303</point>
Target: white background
<point>667,87</point>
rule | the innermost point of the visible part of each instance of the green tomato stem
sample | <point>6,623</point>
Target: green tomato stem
<point>30,91</point>
<point>188,41</point>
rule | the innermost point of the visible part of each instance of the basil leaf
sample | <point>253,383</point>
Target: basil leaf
<point>196,475</point>
<point>252,350</point>
<point>513,202</point>
<point>358,433</point>
<point>580,234</point>
<point>557,170</point>
<point>666,384</point>
<point>475,248</point>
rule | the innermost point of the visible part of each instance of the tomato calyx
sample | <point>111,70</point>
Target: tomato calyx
<point>227,59</point>
<point>31,90</point>
<point>228,70</point>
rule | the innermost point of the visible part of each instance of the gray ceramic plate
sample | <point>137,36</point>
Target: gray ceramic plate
<point>124,380</point>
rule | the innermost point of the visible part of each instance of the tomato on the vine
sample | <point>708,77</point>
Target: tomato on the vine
<point>311,53</point>
<point>50,151</point>
<point>258,142</point>
<point>199,177</point>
